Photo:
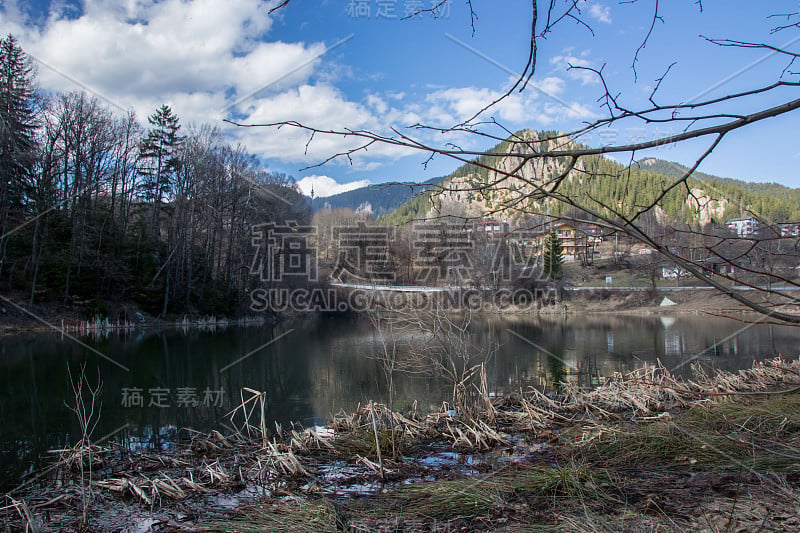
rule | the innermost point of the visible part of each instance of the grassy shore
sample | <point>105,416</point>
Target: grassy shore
<point>644,452</point>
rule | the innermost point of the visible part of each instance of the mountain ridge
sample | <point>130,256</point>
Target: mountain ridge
<point>379,199</point>
<point>708,198</point>
<point>596,181</point>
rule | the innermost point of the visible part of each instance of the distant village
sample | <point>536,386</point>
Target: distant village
<point>492,252</point>
<point>585,243</point>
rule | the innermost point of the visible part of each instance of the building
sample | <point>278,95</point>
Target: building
<point>790,229</point>
<point>594,232</point>
<point>717,265</point>
<point>744,226</point>
<point>673,272</point>
<point>574,240</point>
<point>577,241</point>
<point>490,227</point>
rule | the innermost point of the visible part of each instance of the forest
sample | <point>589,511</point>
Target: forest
<point>99,210</point>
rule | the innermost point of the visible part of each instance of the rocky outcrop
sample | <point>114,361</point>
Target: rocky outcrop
<point>706,207</point>
<point>483,191</point>
<point>515,185</point>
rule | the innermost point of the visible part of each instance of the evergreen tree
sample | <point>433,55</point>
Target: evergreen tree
<point>17,132</point>
<point>159,159</point>
<point>553,256</point>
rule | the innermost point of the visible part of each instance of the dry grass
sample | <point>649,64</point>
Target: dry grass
<point>293,517</point>
<point>571,482</point>
<point>447,500</point>
<point>625,451</point>
<point>750,432</point>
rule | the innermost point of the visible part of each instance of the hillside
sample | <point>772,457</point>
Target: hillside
<point>595,181</point>
<point>739,192</point>
<point>379,199</point>
<point>675,170</point>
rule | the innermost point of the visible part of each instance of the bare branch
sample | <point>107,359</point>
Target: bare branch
<point>694,119</point>
<point>656,17</point>
<point>658,83</point>
<point>283,4</point>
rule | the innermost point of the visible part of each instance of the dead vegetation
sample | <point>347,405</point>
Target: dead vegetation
<point>643,452</point>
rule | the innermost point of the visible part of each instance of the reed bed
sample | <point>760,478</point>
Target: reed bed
<point>594,446</point>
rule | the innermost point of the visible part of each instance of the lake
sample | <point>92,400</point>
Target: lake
<point>311,369</point>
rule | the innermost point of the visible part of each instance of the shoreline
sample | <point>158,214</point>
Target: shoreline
<point>638,303</point>
<point>644,451</point>
<point>72,323</point>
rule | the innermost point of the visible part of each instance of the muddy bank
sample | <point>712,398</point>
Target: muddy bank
<point>698,301</point>
<point>643,452</point>
<point>16,316</point>
<point>18,319</point>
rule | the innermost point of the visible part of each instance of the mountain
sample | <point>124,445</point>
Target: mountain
<point>738,191</point>
<point>378,199</point>
<point>676,170</point>
<point>593,181</point>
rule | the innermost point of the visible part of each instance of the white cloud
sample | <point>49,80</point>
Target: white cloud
<point>326,186</point>
<point>567,60</point>
<point>143,53</point>
<point>539,105</point>
<point>199,56</point>
<point>320,106</point>
<point>549,86</point>
<point>600,12</point>
<point>573,110</point>
<point>203,56</point>
<point>326,108</point>
<point>377,103</point>
<point>456,104</point>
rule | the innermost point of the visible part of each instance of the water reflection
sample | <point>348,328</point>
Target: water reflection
<point>324,366</point>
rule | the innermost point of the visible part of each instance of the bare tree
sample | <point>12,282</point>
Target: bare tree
<point>709,120</point>
<point>86,409</point>
<point>84,170</point>
<point>388,333</point>
<point>444,344</point>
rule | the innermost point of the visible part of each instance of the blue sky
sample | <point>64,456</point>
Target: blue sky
<point>208,58</point>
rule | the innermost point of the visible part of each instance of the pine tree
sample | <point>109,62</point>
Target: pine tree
<point>17,132</point>
<point>553,256</point>
<point>159,159</point>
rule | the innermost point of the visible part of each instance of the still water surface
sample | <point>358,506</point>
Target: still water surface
<point>313,369</point>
